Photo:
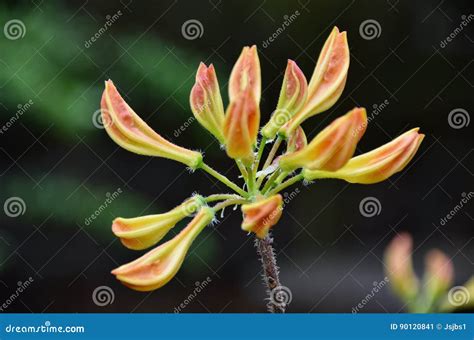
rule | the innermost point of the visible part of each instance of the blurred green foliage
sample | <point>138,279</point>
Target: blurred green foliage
<point>53,66</point>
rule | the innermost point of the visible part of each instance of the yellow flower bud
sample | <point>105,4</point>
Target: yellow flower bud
<point>331,148</point>
<point>157,267</point>
<point>327,82</point>
<point>206,101</point>
<point>241,126</point>
<point>376,165</point>
<point>399,267</point>
<point>129,131</point>
<point>292,97</point>
<point>246,74</point>
<point>439,273</point>
<point>261,215</point>
<point>144,231</point>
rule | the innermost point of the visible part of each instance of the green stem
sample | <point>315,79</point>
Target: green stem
<point>243,170</point>
<point>269,159</point>
<point>221,197</point>
<point>270,181</point>
<point>223,179</point>
<point>289,182</point>
<point>272,153</point>
<point>261,147</point>
<point>224,204</point>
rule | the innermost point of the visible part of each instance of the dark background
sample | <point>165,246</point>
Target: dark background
<point>62,166</point>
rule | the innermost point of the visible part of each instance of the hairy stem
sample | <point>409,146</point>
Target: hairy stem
<point>221,197</point>
<point>222,205</point>
<point>270,273</point>
<point>223,179</point>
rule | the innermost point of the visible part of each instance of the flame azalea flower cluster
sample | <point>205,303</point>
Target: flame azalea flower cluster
<point>329,154</point>
<point>431,293</point>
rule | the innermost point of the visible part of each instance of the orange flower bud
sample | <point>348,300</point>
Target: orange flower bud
<point>241,124</point>
<point>332,148</point>
<point>246,73</point>
<point>376,165</point>
<point>439,273</point>
<point>144,231</point>
<point>292,98</point>
<point>399,266</point>
<point>129,131</point>
<point>327,82</point>
<point>260,216</point>
<point>157,267</point>
<point>297,141</point>
<point>206,101</point>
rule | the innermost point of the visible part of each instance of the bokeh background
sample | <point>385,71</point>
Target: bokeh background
<point>57,160</point>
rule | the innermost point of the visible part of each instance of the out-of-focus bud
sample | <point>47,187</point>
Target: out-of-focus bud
<point>143,232</point>
<point>261,215</point>
<point>154,269</point>
<point>129,131</point>
<point>327,82</point>
<point>297,141</point>
<point>376,165</point>
<point>439,273</point>
<point>206,101</point>
<point>292,98</point>
<point>246,74</point>
<point>332,148</point>
<point>241,124</point>
<point>399,267</point>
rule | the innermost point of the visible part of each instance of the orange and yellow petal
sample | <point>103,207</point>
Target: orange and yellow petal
<point>261,215</point>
